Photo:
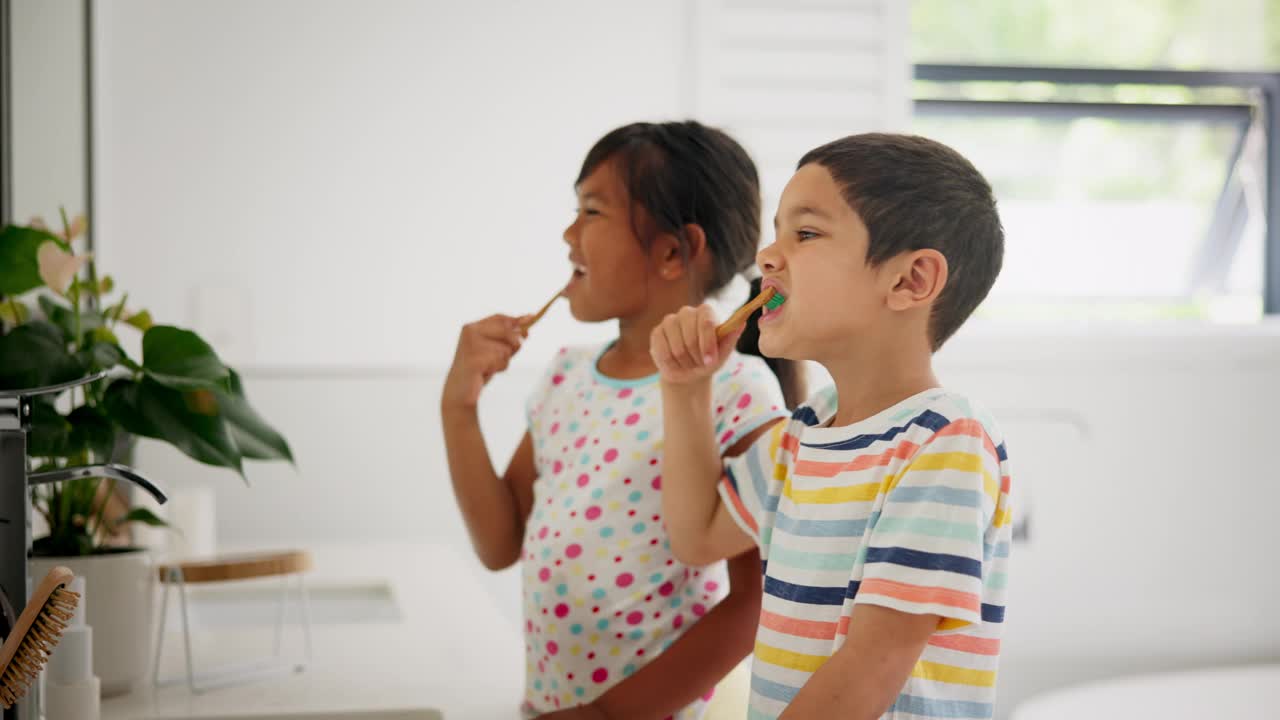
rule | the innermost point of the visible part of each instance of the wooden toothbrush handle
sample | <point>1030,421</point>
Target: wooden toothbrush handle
<point>739,317</point>
<point>525,325</point>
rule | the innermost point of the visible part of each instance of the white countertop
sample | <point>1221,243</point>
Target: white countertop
<point>1224,692</point>
<point>454,651</point>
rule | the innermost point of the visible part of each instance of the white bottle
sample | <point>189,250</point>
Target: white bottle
<point>72,691</point>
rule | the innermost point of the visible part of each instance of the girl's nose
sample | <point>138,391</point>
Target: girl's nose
<point>571,232</point>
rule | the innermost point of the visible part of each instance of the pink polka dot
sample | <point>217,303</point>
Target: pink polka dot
<point>725,437</point>
<point>633,418</point>
<point>709,694</point>
<point>711,585</point>
<point>563,610</point>
<point>573,551</point>
<point>557,379</point>
<point>699,609</point>
<point>580,442</point>
<point>600,675</point>
<point>552,648</point>
<point>592,512</point>
<point>667,588</point>
<point>610,455</point>
<point>744,401</point>
<point>543,532</point>
<point>555,428</point>
<point>583,480</point>
<point>657,483</point>
<point>624,393</point>
<point>635,618</point>
<point>625,579</point>
<point>544,574</point>
<point>557,466</point>
<point>678,622</point>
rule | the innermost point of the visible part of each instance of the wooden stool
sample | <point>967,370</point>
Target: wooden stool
<point>289,564</point>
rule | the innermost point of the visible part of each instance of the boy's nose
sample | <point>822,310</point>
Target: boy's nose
<point>769,259</point>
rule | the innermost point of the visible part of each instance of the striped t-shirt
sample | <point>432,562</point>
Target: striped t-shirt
<point>908,509</point>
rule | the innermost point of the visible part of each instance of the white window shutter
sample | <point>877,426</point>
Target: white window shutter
<point>784,76</point>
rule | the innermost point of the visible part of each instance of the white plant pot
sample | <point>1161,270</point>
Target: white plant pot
<point>120,597</point>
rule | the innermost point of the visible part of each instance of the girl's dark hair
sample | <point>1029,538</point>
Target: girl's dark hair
<point>685,173</point>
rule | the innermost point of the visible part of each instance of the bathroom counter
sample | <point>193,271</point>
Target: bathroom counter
<point>452,649</point>
<point>1251,691</point>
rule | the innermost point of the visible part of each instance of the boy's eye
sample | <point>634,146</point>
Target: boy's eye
<point>588,211</point>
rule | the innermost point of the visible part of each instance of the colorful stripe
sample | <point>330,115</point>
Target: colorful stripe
<point>913,516</point>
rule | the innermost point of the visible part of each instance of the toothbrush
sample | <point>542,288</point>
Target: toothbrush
<point>770,298</point>
<point>526,324</point>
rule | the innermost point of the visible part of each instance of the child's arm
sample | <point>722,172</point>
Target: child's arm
<point>494,508</point>
<point>687,354</point>
<point>693,664</point>
<point>865,676</point>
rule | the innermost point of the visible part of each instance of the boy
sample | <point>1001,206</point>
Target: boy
<point>881,509</point>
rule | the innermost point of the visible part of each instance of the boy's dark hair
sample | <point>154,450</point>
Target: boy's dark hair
<point>914,193</point>
<point>685,173</point>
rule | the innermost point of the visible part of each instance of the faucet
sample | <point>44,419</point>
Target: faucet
<point>15,510</point>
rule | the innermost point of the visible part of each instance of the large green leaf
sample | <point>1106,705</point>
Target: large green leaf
<point>53,435</point>
<point>100,355</point>
<point>122,404</point>
<point>180,360</point>
<point>19,269</point>
<point>35,354</point>
<point>50,432</point>
<point>255,438</point>
<point>92,430</point>
<point>150,409</point>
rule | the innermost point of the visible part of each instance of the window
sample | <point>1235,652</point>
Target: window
<point>1126,193</point>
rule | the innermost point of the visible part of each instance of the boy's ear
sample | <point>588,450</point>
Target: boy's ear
<point>918,279</point>
<point>668,258</point>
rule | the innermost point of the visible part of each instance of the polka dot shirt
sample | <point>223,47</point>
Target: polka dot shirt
<point>603,594</point>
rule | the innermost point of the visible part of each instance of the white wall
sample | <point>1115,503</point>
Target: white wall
<point>343,183</point>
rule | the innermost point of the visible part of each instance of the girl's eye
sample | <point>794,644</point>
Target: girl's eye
<point>806,235</point>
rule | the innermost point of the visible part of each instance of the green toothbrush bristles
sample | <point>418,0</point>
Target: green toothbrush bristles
<point>776,301</point>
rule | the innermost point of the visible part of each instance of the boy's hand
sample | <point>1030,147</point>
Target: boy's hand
<point>485,348</point>
<point>685,348</point>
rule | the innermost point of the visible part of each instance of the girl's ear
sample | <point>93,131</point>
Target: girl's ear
<point>918,278</point>
<point>670,261</point>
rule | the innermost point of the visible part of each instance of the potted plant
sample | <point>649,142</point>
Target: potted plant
<point>59,321</point>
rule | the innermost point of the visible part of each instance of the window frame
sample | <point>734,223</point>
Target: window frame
<point>1225,226</point>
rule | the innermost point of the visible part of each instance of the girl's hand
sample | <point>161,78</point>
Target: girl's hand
<point>485,348</point>
<point>685,348</point>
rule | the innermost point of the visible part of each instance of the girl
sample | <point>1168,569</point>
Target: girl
<point>667,215</point>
